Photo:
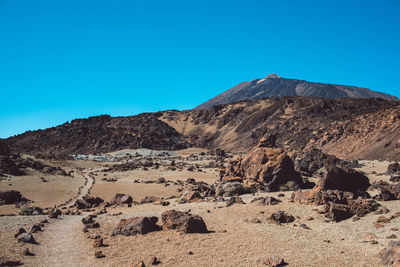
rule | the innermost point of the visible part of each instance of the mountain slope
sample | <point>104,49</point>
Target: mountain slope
<point>273,85</point>
<point>349,128</point>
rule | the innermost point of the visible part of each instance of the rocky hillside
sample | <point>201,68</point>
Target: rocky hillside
<point>99,134</point>
<point>348,128</point>
<point>274,85</point>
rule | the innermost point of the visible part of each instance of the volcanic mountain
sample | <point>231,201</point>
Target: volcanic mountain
<point>274,85</point>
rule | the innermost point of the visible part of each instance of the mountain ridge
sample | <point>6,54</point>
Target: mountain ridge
<point>348,128</point>
<point>275,86</point>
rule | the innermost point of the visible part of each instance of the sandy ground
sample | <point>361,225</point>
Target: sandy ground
<point>57,189</point>
<point>233,241</point>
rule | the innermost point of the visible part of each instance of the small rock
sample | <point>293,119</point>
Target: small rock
<point>378,225</point>
<point>139,264</point>
<point>99,254</point>
<point>309,218</point>
<point>20,231</point>
<point>274,262</point>
<point>98,242</point>
<point>368,237</point>
<point>26,252</point>
<point>304,226</point>
<point>27,238</point>
<point>392,236</point>
<point>154,261</point>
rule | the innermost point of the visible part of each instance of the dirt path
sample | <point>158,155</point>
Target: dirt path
<point>64,244</point>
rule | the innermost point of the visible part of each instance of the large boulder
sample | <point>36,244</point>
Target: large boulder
<point>136,226</point>
<point>265,166</point>
<point>183,222</point>
<point>343,179</point>
<point>119,199</point>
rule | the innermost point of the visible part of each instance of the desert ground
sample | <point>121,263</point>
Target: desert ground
<point>238,235</point>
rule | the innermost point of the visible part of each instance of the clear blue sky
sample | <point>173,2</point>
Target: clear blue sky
<point>61,60</point>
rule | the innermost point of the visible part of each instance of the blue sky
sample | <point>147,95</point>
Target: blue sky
<point>61,60</point>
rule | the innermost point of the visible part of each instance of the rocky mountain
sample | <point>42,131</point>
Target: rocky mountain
<point>348,128</point>
<point>274,85</point>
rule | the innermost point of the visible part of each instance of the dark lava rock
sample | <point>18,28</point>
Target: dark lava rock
<point>282,217</point>
<point>136,225</point>
<point>183,222</point>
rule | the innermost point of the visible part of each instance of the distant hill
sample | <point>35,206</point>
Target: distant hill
<point>274,85</point>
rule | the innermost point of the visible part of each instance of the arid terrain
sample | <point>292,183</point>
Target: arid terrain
<point>239,232</point>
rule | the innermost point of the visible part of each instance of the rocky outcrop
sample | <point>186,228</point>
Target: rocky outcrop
<point>136,226</point>
<point>340,189</point>
<point>267,167</point>
<point>183,222</point>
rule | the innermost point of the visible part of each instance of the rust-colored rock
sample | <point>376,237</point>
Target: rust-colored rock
<point>267,167</point>
<point>98,242</point>
<point>183,222</point>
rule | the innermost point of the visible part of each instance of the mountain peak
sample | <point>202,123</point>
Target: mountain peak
<point>273,76</point>
<point>273,86</point>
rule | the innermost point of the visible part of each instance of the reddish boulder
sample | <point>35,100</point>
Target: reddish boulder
<point>136,225</point>
<point>265,166</point>
<point>183,222</point>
